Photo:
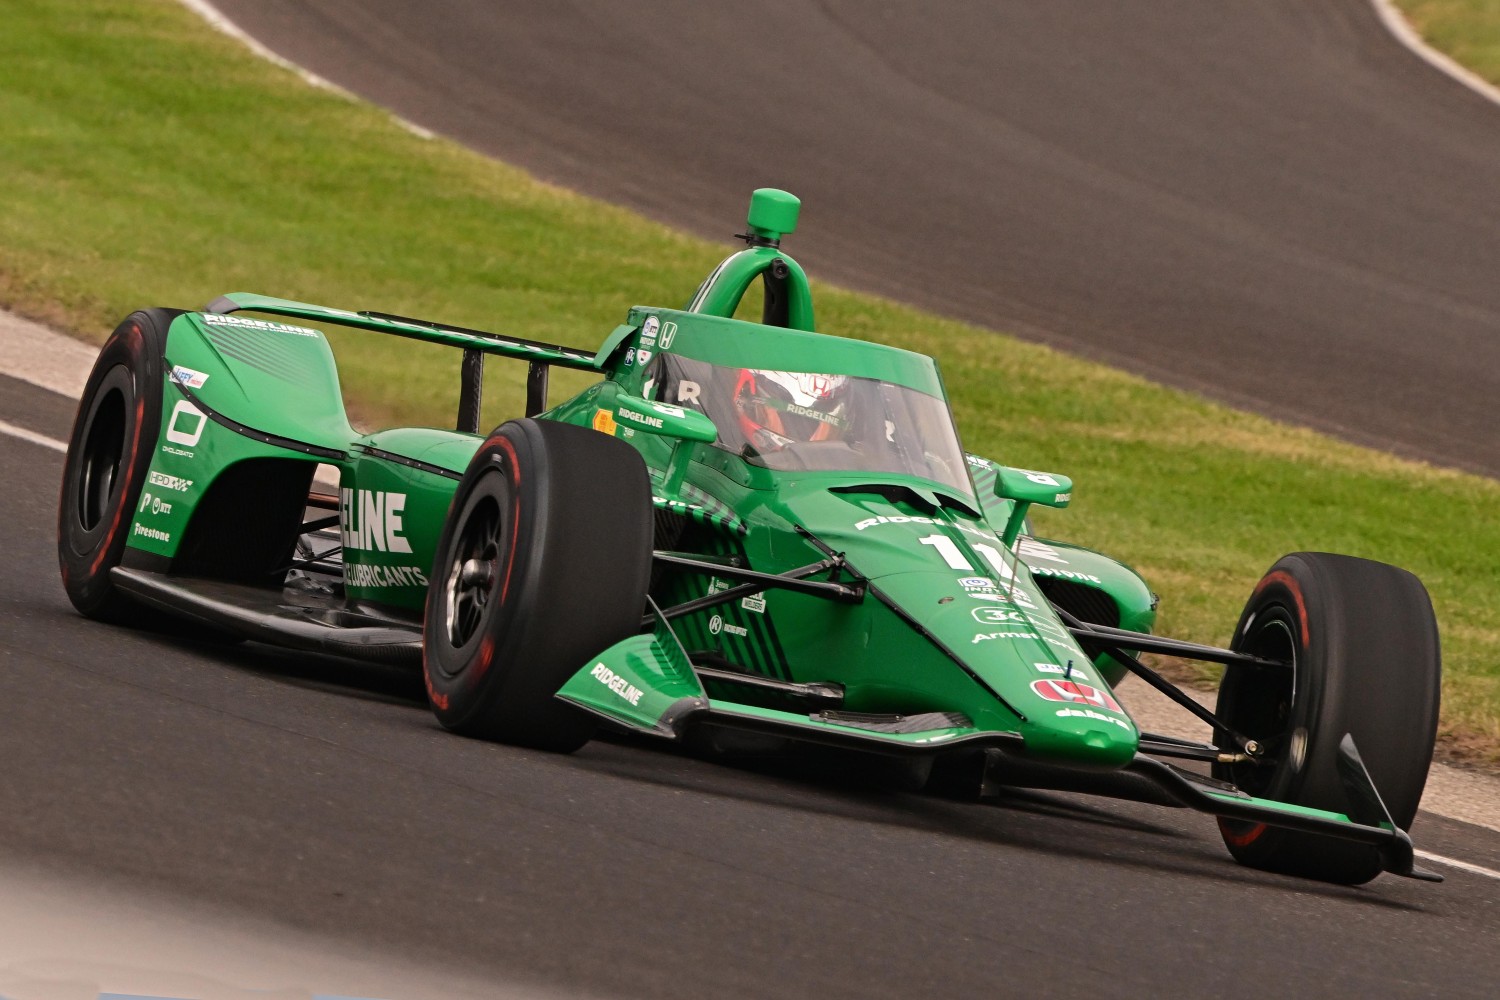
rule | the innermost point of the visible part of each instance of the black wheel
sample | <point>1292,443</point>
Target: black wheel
<point>1362,644</point>
<point>543,563</point>
<point>109,452</point>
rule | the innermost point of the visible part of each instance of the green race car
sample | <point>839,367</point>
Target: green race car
<point>744,532</point>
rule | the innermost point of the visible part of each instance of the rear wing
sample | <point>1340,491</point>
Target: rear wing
<point>474,343</point>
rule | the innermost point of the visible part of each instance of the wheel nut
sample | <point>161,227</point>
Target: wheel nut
<point>476,572</point>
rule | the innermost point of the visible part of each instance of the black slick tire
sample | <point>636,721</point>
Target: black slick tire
<point>109,453</point>
<point>543,563</point>
<point>1363,644</point>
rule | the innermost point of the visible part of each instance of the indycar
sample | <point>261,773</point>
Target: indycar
<point>740,530</point>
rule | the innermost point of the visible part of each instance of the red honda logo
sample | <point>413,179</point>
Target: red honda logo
<point>1072,691</point>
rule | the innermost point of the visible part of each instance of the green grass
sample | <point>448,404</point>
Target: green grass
<point>147,160</point>
<point>1467,30</point>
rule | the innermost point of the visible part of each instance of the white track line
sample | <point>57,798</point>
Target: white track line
<point>33,437</point>
<point>1460,865</point>
<point>216,18</point>
<point>1395,22</point>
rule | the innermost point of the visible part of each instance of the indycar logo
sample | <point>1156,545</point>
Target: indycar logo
<point>1075,693</point>
<point>370,521</point>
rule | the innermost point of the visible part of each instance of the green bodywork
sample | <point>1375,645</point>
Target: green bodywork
<point>955,619</point>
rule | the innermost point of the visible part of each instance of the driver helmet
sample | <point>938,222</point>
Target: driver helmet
<point>777,408</point>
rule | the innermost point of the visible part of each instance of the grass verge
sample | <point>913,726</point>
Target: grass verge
<point>150,161</point>
<point>1466,30</point>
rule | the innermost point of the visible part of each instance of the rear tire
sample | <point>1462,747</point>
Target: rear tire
<point>1363,643</point>
<point>543,563</point>
<point>109,453</point>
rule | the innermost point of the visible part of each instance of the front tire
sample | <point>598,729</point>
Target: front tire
<point>543,563</point>
<point>1362,642</point>
<point>109,453</point>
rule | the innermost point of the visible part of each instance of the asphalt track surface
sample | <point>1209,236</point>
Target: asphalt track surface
<point>1052,174</point>
<point>323,796</point>
<point>1268,201</point>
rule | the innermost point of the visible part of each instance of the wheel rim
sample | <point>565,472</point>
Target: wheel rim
<point>470,586</point>
<point>1264,703</point>
<point>103,454</point>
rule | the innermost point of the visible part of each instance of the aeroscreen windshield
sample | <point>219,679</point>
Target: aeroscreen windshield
<point>794,421</point>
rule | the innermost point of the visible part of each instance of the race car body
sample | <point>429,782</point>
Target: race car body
<point>739,527</point>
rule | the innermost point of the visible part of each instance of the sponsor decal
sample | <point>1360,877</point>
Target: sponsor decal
<point>989,636</point>
<point>668,334</point>
<point>169,482</point>
<point>369,575</point>
<point>1012,595</point>
<point>604,421</point>
<point>649,328</point>
<point>870,522</point>
<point>976,583</point>
<point>370,520</point>
<point>755,602</point>
<point>1039,550</point>
<point>153,505</point>
<point>717,586</point>
<point>185,426</point>
<point>998,616</point>
<point>243,322</point>
<point>1075,693</point>
<point>1088,713</point>
<point>1063,498</point>
<point>1052,668</point>
<point>630,357</point>
<point>963,526</point>
<point>1066,574</point>
<point>616,683</point>
<point>979,463</point>
<point>643,356</point>
<point>717,624</point>
<point>630,416</point>
<point>188,377</point>
<point>674,504</point>
<point>151,533</point>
